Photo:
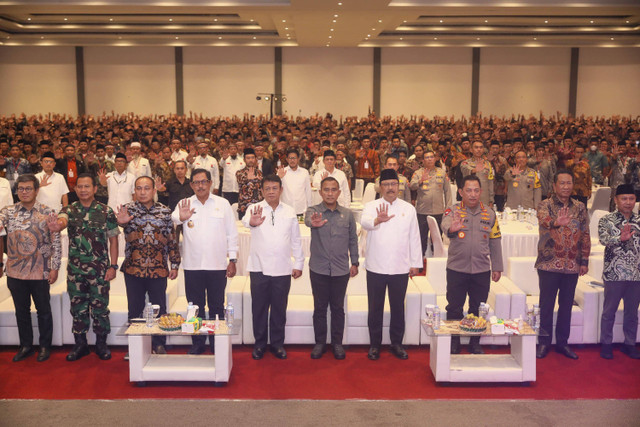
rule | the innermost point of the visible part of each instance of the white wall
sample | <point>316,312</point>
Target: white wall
<point>524,80</point>
<point>37,80</point>
<point>321,80</point>
<point>125,79</point>
<point>426,81</point>
<point>609,81</point>
<point>225,80</point>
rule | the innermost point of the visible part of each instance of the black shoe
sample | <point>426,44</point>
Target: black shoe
<point>23,353</point>
<point>338,352</point>
<point>159,349</point>
<point>44,354</point>
<point>606,351</point>
<point>80,349</point>
<point>101,349</point>
<point>318,351</point>
<point>455,345</point>
<point>543,350</point>
<point>196,349</point>
<point>474,346</point>
<point>212,344</point>
<point>399,352</point>
<point>566,351</point>
<point>258,353</point>
<point>279,352</point>
<point>631,351</point>
<point>374,353</point>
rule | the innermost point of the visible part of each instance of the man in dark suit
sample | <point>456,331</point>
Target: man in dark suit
<point>265,165</point>
<point>71,166</point>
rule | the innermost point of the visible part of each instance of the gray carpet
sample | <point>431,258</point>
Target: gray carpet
<point>319,413</point>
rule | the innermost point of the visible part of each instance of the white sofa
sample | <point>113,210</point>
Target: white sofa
<point>584,312</point>
<point>8,325</point>
<point>433,288</point>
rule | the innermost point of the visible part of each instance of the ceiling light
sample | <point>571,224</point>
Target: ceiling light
<point>219,38</point>
<point>546,22</point>
<point>177,38</point>
<point>404,21</point>
<point>435,38</point>
<point>401,38</point>
<point>286,28</point>
<point>335,16</point>
<point>379,20</point>
<point>478,38</point>
<point>65,19</point>
<point>339,4</point>
<point>441,21</point>
<point>120,38</point>
<point>486,21</point>
<point>254,38</point>
<point>110,19</point>
<point>332,29</point>
<point>612,38</point>
<point>288,38</point>
<point>335,20</point>
<point>327,44</point>
<point>368,35</point>
<point>288,35</point>
<point>29,19</point>
<point>170,19</point>
<point>330,37</point>
<point>284,20</point>
<point>215,20</point>
<point>41,37</point>
<point>373,29</point>
<point>535,38</point>
<point>591,22</point>
<point>251,20</point>
<point>627,22</point>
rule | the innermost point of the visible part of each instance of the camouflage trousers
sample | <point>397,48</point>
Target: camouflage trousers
<point>89,297</point>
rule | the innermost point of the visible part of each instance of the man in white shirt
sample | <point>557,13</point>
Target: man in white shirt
<point>204,161</point>
<point>6,196</point>
<point>120,183</point>
<point>53,187</point>
<point>231,163</point>
<point>139,166</point>
<point>329,160</point>
<point>275,238</point>
<point>393,253</point>
<point>209,237</point>
<point>177,153</point>
<point>296,183</point>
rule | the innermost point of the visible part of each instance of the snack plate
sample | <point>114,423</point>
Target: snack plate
<point>472,330</point>
<point>177,328</point>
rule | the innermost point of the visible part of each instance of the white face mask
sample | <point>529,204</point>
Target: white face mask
<point>594,148</point>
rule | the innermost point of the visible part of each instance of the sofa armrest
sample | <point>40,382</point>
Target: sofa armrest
<point>587,299</point>
<point>518,298</point>
<point>500,300</point>
<point>426,290</point>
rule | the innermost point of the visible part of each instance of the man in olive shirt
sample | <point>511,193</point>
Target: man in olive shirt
<point>523,185</point>
<point>333,243</point>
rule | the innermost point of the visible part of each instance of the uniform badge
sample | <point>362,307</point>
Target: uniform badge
<point>190,224</point>
<point>515,184</point>
<point>461,234</point>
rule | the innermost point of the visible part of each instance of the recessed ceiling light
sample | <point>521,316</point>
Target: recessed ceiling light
<point>177,38</point>
<point>251,20</point>
<point>29,19</point>
<point>120,38</point>
<point>335,20</point>
<point>66,19</point>
<point>404,21</point>
<point>368,35</point>
<point>254,38</point>
<point>546,22</point>
<point>215,20</point>
<point>284,20</point>
<point>332,29</point>
<point>379,20</point>
<point>288,35</point>
<point>41,37</point>
<point>627,22</point>
<point>535,38</point>
<point>486,20</point>
<point>286,28</point>
<point>441,20</point>
<point>435,38</point>
<point>401,38</point>
<point>219,38</point>
<point>327,44</point>
<point>373,29</point>
<point>478,38</point>
<point>170,19</point>
<point>110,19</point>
<point>330,37</point>
<point>612,38</point>
<point>339,4</point>
<point>288,38</point>
<point>335,16</point>
<point>591,22</point>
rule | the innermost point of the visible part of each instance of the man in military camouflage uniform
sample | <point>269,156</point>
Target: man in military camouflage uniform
<point>91,225</point>
<point>481,167</point>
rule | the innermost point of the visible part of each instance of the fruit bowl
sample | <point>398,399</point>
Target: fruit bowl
<point>472,323</point>
<point>170,322</point>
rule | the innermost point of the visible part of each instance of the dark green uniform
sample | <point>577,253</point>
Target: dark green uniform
<point>89,232</point>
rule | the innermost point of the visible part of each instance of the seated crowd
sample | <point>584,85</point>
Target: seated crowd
<point>156,177</point>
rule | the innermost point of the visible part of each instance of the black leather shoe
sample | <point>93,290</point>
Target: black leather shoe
<point>455,345</point>
<point>399,352</point>
<point>374,353</point>
<point>80,349</point>
<point>43,354</point>
<point>159,349</point>
<point>23,353</point>
<point>631,351</point>
<point>338,352</point>
<point>606,351</point>
<point>101,349</point>
<point>566,351</point>
<point>318,351</point>
<point>257,353</point>
<point>543,350</point>
<point>279,352</point>
<point>196,349</point>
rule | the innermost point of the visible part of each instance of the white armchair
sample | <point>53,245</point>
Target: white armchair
<point>8,325</point>
<point>583,313</point>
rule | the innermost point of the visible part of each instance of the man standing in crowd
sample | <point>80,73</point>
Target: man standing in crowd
<point>500,166</point>
<point>15,166</point>
<point>150,241</point>
<point>333,243</point>
<point>581,171</point>
<point>231,164</point>
<point>71,167</point>
<point>523,185</point>
<point>262,163</point>
<point>139,166</point>
<point>475,255</point>
<point>98,165</point>
<point>367,163</point>
<point>597,161</point>
<point>120,183</point>
<point>275,238</point>
<point>205,161</point>
<point>545,169</point>
<point>163,172</point>
<point>53,188</point>
<point>482,169</point>
<point>563,254</point>
<point>179,187</point>
<point>392,255</point>
<point>177,153</point>
<point>33,261</point>
<point>619,232</point>
<point>433,195</point>
<point>93,240</point>
<point>329,160</point>
<point>210,235</point>
<point>296,184</point>
<point>249,182</point>
<point>404,192</point>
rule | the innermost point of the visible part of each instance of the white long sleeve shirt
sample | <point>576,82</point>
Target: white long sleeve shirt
<point>51,195</point>
<point>345,194</point>
<point>139,167</point>
<point>229,168</point>
<point>120,188</point>
<point>275,241</point>
<point>393,247</point>
<point>209,236</point>
<point>296,189</point>
<point>208,163</point>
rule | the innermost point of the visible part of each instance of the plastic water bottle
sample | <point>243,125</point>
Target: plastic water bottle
<point>436,318</point>
<point>483,311</point>
<point>228,315</point>
<point>530,315</point>
<point>536,317</point>
<point>148,314</point>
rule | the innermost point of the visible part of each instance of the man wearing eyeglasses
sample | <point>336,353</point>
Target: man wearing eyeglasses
<point>210,237</point>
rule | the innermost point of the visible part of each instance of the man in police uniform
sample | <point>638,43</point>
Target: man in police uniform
<point>481,167</point>
<point>93,239</point>
<point>475,255</point>
<point>433,194</point>
<point>523,185</point>
<point>403,185</point>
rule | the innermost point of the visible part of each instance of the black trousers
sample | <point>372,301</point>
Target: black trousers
<point>376,287</point>
<point>500,200</point>
<point>424,230</point>
<point>232,197</point>
<point>564,286</point>
<point>269,299</point>
<point>206,286</point>
<point>328,290</point>
<point>137,289</point>
<point>22,291</point>
<point>459,285</point>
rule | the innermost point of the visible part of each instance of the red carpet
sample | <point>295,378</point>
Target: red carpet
<point>299,377</point>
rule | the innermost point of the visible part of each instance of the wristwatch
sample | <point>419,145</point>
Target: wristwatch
<point>233,260</point>
<point>114,266</point>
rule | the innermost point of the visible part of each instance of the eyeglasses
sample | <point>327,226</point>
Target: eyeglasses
<point>202,182</point>
<point>25,189</point>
